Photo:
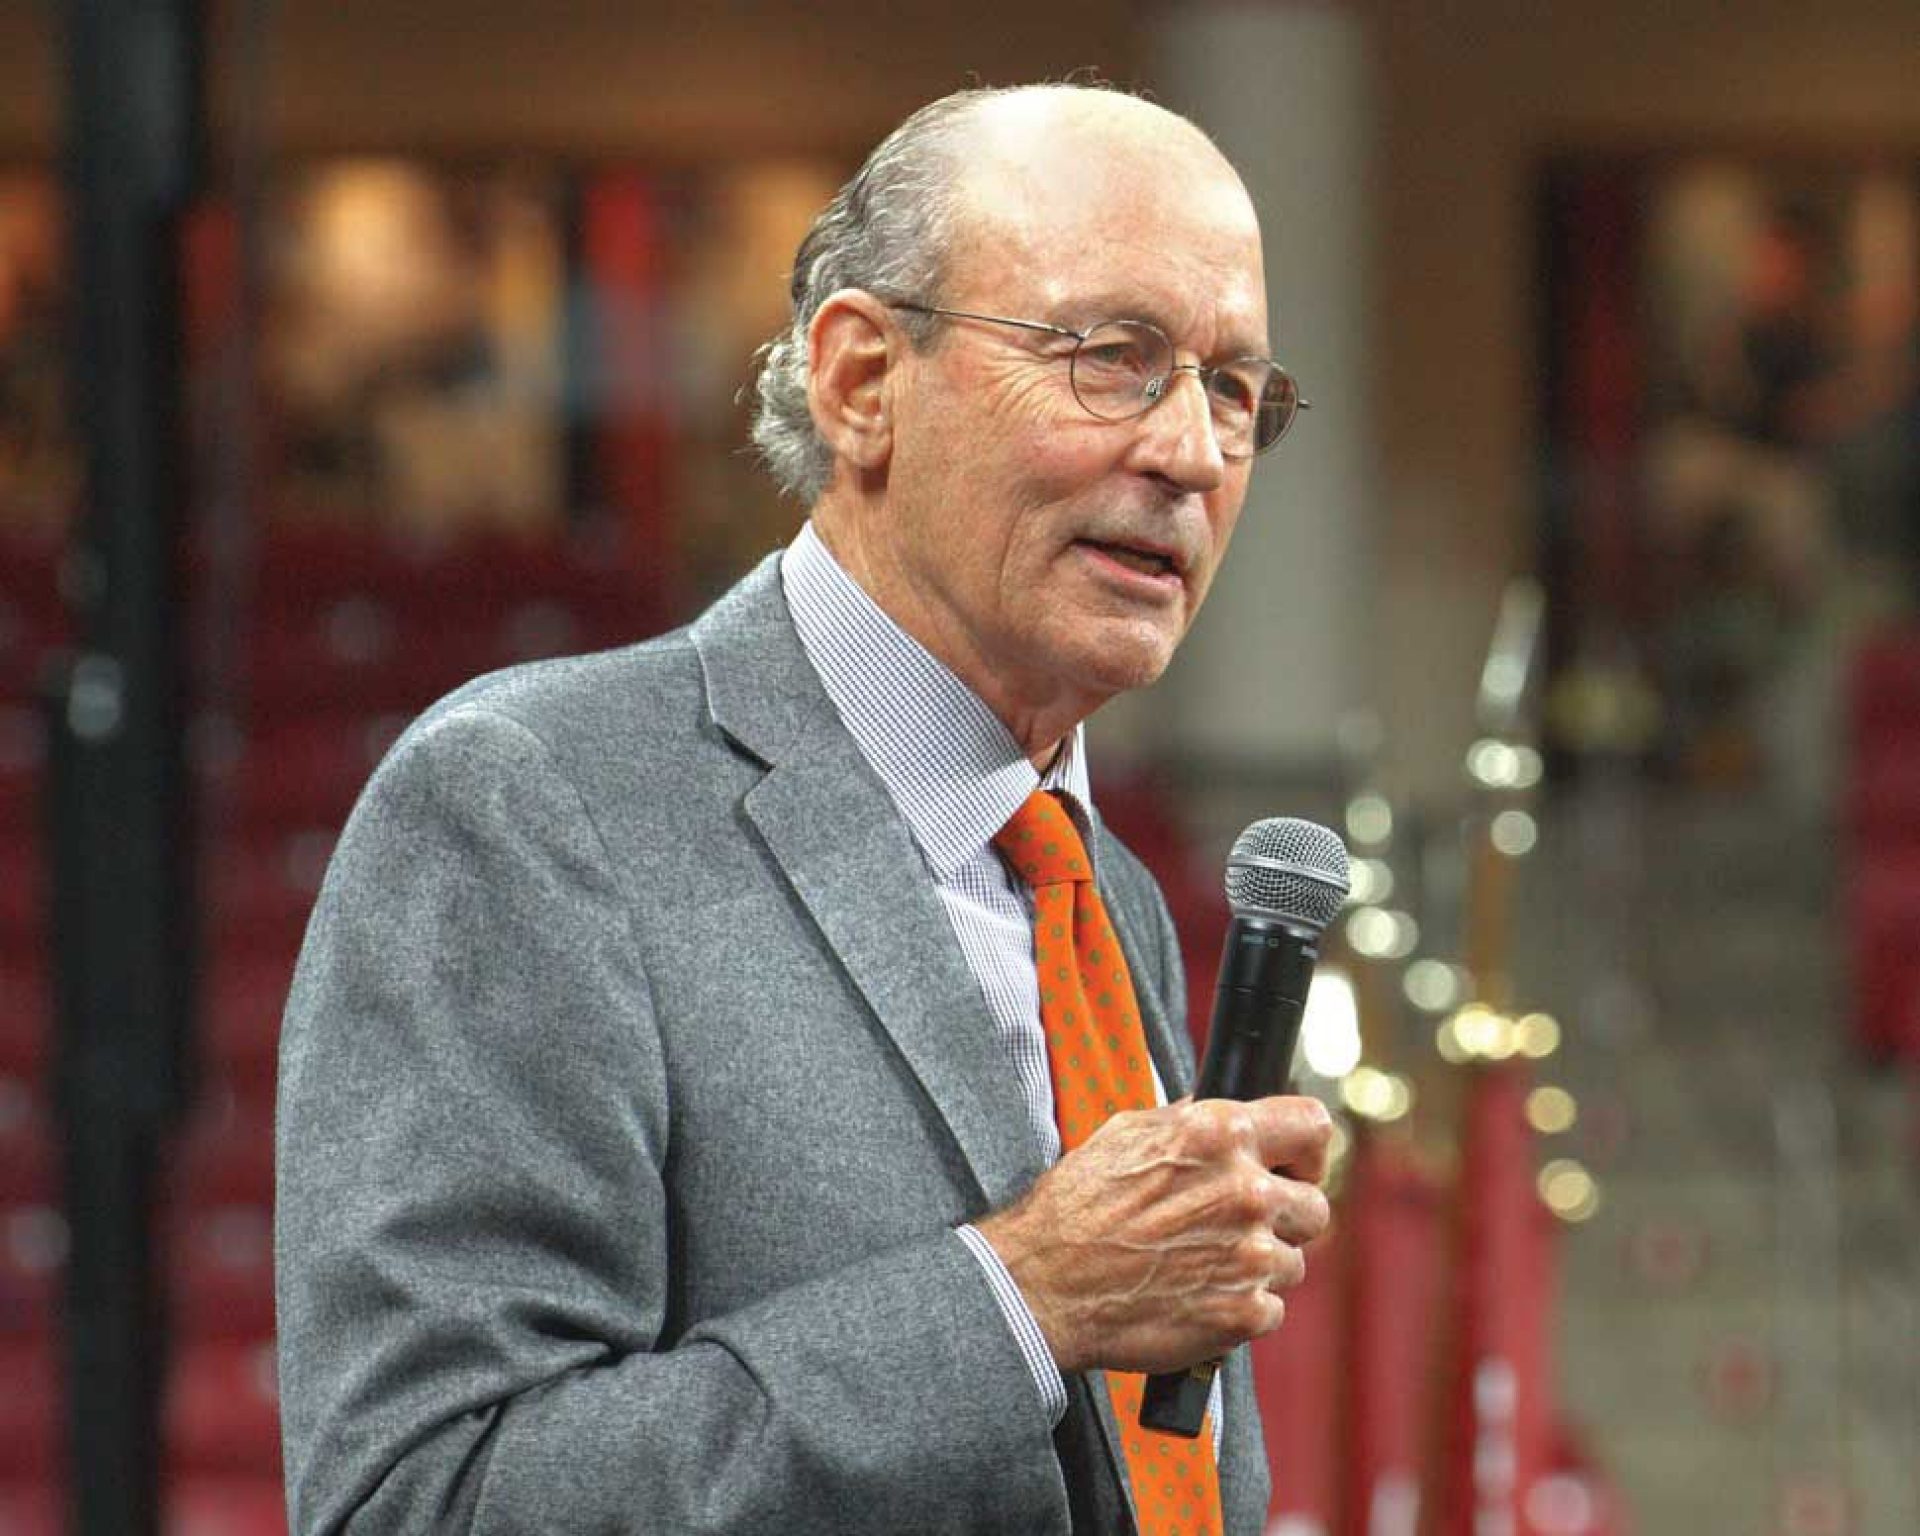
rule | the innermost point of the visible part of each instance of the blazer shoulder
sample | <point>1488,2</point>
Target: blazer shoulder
<point>545,695</point>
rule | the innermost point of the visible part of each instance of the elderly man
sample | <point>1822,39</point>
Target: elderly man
<point>734,1083</point>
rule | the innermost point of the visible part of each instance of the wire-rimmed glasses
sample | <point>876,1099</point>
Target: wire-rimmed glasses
<point>1120,369</point>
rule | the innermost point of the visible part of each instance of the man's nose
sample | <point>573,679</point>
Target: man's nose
<point>1178,441</point>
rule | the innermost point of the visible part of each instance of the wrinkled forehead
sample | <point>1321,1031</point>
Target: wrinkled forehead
<point>1091,202</point>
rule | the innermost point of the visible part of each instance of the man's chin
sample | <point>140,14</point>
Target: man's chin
<point>1120,663</point>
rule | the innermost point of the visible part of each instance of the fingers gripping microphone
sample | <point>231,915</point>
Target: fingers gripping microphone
<point>1285,881</point>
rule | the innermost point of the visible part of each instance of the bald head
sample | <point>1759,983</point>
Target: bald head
<point>1048,173</point>
<point>975,173</point>
<point>1089,126</point>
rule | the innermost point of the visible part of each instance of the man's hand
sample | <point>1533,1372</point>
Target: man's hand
<point>1167,1236</point>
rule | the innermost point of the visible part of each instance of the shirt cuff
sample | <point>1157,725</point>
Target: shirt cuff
<point>1047,1380</point>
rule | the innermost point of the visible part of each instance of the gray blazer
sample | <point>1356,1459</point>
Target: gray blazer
<point>631,1084</point>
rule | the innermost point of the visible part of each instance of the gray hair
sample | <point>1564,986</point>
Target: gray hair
<point>888,230</point>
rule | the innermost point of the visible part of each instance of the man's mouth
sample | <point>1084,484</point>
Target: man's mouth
<point>1147,562</point>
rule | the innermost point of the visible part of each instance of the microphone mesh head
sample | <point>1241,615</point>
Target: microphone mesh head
<point>1290,869</point>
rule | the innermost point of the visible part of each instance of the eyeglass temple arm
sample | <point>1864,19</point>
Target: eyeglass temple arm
<point>968,314</point>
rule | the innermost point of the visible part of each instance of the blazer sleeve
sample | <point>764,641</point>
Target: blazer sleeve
<point>474,1227</point>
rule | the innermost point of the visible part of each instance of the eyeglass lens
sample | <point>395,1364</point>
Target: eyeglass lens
<point>1123,367</point>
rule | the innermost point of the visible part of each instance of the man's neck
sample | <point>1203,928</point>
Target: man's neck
<point>1039,726</point>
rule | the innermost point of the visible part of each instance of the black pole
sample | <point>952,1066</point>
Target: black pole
<point>118,820</point>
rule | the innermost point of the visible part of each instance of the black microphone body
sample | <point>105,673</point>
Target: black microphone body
<point>1266,967</point>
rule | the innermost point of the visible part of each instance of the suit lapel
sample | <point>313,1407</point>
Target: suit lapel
<point>847,854</point>
<point>1171,1057</point>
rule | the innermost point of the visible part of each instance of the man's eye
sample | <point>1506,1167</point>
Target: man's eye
<point>1232,392</point>
<point>1118,356</point>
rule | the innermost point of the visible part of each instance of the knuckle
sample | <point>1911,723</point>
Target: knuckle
<point>1244,1315</point>
<point>1227,1122</point>
<point>1303,1214</point>
<point>1252,1199</point>
<point>1290,1267</point>
<point>1256,1257</point>
<point>1214,1126</point>
<point>1313,1123</point>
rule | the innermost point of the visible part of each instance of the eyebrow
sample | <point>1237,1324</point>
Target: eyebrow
<point>1085,312</point>
<point>1082,314</point>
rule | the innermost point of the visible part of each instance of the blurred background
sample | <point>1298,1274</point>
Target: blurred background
<point>347,351</point>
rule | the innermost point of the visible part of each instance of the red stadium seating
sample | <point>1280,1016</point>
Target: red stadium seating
<point>242,999</point>
<point>26,1147</point>
<point>1881,869</point>
<point>260,890</point>
<point>223,1272</point>
<point>225,1157</point>
<point>23,894</point>
<point>28,1410</point>
<point>222,1414</point>
<point>33,1242</point>
<point>1882,808</point>
<point>1884,702</point>
<point>25,1030</point>
<point>305,773</point>
<point>29,1508</point>
<point>226,1506</point>
<point>33,621</point>
<point>195,1506</point>
<point>22,755</point>
<point>1884,929</point>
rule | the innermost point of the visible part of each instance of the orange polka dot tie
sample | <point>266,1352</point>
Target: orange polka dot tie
<point>1097,1058</point>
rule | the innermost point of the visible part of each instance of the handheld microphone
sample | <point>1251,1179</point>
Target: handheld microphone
<point>1285,881</point>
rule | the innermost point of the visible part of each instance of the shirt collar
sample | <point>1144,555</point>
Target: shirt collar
<point>949,763</point>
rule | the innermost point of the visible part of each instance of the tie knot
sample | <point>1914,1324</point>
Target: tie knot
<point>1041,844</point>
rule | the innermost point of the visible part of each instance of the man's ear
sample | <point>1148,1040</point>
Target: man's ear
<point>853,345</point>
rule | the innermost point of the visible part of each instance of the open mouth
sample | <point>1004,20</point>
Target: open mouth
<point>1145,561</point>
